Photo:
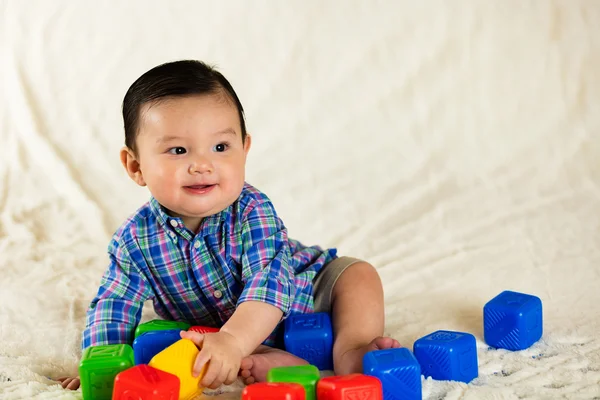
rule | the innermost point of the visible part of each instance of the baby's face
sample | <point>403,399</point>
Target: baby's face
<point>191,155</point>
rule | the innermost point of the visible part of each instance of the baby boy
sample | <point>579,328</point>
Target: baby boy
<point>209,249</point>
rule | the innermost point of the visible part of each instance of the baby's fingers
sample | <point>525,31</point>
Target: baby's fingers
<point>212,373</point>
<point>74,385</point>
<point>231,377</point>
<point>202,358</point>
<point>65,381</point>
<point>196,337</point>
<point>69,383</point>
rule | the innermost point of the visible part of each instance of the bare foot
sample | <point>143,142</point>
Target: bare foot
<point>255,367</point>
<point>350,361</point>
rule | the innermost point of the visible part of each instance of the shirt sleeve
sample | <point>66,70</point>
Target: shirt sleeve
<point>266,274</point>
<point>116,310</point>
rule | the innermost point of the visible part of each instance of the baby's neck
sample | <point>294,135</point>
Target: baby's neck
<point>192,223</point>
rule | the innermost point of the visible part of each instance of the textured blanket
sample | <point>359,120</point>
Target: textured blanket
<point>454,145</point>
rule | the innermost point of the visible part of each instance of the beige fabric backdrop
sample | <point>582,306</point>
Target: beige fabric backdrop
<point>454,144</point>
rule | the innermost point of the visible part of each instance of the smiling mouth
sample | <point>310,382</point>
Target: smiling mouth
<point>199,189</point>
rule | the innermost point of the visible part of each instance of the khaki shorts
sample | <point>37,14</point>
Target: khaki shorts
<point>325,281</point>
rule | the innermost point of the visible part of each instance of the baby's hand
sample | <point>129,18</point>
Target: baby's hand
<point>69,382</point>
<point>223,352</point>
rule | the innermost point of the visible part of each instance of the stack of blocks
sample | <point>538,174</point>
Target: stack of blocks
<point>163,365</point>
<point>178,359</point>
<point>151,343</point>
<point>159,366</point>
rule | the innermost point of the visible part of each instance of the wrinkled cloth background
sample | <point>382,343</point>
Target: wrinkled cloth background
<point>454,145</point>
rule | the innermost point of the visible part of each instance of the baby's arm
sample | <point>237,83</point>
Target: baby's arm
<point>116,310</point>
<point>251,323</point>
<point>267,297</point>
<point>268,278</point>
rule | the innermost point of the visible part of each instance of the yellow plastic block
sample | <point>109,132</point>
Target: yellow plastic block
<point>178,359</point>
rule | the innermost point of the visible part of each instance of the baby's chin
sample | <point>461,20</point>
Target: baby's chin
<point>191,211</point>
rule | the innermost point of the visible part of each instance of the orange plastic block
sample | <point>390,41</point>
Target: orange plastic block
<point>273,391</point>
<point>178,359</point>
<point>145,382</point>
<point>203,329</point>
<point>350,387</point>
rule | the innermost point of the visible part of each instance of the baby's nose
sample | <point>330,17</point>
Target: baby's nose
<point>201,166</point>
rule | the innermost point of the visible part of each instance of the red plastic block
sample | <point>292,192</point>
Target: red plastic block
<point>350,387</point>
<point>203,329</point>
<point>273,391</point>
<point>145,382</point>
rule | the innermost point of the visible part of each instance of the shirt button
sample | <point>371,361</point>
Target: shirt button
<point>174,223</point>
<point>218,294</point>
<point>197,244</point>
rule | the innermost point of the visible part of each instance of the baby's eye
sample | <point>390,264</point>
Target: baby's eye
<point>221,147</point>
<point>177,150</point>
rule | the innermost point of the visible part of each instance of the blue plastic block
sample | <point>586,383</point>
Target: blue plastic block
<point>309,336</point>
<point>512,321</point>
<point>399,372</point>
<point>151,343</point>
<point>448,356</point>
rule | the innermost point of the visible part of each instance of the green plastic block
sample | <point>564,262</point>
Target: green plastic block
<point>160,325</point>
<point>306,375</point>
<point>99,366</point>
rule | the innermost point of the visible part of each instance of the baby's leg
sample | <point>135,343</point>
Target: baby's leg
<point>255,367</point>
<point>358,317</point>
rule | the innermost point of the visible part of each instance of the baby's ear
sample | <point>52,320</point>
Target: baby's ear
<point>247,143</point>
<point>132,165</point>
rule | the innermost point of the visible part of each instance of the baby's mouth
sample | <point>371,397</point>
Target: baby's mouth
<point>199,189</point>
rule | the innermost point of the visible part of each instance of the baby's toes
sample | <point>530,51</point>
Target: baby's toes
<point>245,373</point>
<point>382,343</point>
<point>249,380</point>
<point>246,364</point>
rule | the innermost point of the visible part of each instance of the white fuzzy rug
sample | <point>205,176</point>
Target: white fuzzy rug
<point>455,145</point>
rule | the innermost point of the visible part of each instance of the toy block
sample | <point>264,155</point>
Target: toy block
<point>273,391</point>
<point>178,359</point>
<point>160,325</point>
<point>98,367</point>
<point>309,336</point>
<point>145,382</point>
<point>203,329</point>
<point>151,343</point>
<point>512,321</point>
<point>448,356</point>
<point>399,373</point>
<point>306,375</point>
<point>350,387</point>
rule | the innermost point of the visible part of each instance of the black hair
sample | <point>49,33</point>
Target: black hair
<point>174,79</point>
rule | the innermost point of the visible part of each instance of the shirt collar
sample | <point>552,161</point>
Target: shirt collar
<point>209,225</point>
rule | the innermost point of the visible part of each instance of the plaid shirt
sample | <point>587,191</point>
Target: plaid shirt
<point>240,254</point>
